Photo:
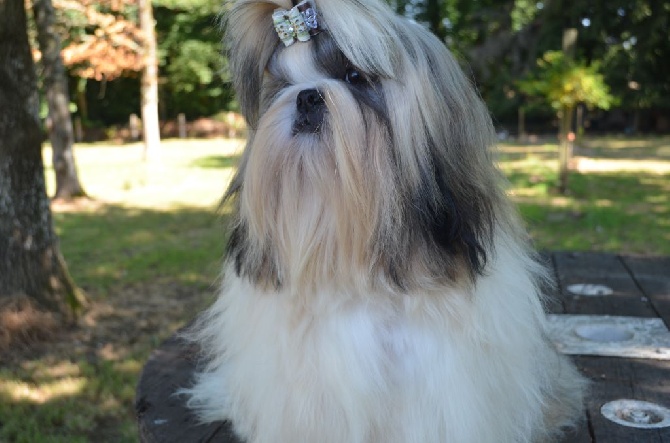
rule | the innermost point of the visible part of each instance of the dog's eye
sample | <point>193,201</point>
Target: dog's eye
<point>354,76</point>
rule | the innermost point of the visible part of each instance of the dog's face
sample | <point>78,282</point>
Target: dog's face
<point>368,157</point>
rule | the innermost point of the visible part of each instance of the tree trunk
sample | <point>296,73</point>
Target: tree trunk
<point>636,118</point>
<point>566,137</point>
<point>31,265</point>
<point>566,140</point>
<point>150,125</point>
<point>579,124</point>
<point>58,101</point>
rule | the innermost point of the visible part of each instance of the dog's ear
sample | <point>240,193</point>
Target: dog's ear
<point>455,197</point>
<point>457,222</point>
<point>250,40</point>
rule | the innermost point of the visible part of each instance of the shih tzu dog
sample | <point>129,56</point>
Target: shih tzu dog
<point>378,286</point>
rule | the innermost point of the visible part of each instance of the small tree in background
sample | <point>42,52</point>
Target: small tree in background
<point>565,84</point>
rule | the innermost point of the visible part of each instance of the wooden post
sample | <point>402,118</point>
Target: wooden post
<point>230,118</point>
<point>579,123</point>
<point>78,129</point>
<point>569,42</point>
<point>181,123</point>
<point>521,134</point>
<point>134,124</point>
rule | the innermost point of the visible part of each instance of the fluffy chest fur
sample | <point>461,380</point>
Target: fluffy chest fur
<point>349,367</point>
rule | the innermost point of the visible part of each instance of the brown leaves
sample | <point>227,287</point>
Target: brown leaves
<point>22,323</point>
<point>109,46</point>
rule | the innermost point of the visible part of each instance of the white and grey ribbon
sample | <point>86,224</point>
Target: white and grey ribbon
<point>299,23</point>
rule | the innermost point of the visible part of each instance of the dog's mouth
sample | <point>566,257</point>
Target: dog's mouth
<point>310,112</point>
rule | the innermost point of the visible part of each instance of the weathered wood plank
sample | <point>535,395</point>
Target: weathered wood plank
<point>602,269</point>
<point>580,434</point>
<point>653,277</point>
<point>617,378</point>
<point>649,266</point>
<point>162,416</point>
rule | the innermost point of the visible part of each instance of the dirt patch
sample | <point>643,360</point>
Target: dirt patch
<point>131,321</point>
<point>78,204</point>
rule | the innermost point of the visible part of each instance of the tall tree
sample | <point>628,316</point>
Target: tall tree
<point>150,125</point>
<point>58,101</point>
<point>31,265</point>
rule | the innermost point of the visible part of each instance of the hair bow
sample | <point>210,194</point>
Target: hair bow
<point>298,23</point>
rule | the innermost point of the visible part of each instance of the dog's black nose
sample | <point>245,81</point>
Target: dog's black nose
<point>311,108</point>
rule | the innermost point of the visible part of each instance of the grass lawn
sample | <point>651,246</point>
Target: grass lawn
<point>147,250</point>
<point>618,199</point>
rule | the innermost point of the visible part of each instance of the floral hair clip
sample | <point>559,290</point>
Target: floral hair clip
<point>298,23</point>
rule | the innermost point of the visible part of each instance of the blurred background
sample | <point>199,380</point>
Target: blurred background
<point>499,42</point>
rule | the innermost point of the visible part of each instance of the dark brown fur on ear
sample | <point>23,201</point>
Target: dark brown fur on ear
<point>250,42</point>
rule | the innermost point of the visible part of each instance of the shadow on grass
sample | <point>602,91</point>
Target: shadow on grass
<point>148,272</point>
<point>217,161</point>
<point>648,148</point>
<point>611,148</point>
<point>612,212</point>
<point>93,403</point>
<point>514,152</point>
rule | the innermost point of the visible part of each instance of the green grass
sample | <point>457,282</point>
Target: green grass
<point>65,401</point>
<point>148,223</point>
<point>147,251</point>
<point>136,245</point>
<point>619,202</point>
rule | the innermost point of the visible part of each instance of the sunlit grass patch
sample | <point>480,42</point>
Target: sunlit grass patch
<point>118,244</point>
<point>68,402</point>
<point>186,173</point>
<point>614,207</point>
<point>636,148</point>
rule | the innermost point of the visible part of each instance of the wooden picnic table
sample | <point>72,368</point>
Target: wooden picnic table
<point>640,288</point>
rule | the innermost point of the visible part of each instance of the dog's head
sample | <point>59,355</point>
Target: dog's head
<point>368,158</point>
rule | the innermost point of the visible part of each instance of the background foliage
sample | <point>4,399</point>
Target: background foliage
<point>498,42</point>
<point>147,247</point>
<point>501,40</point>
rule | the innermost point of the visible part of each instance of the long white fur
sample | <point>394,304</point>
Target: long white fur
<point>336,352</point>
<point>421,367</point>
